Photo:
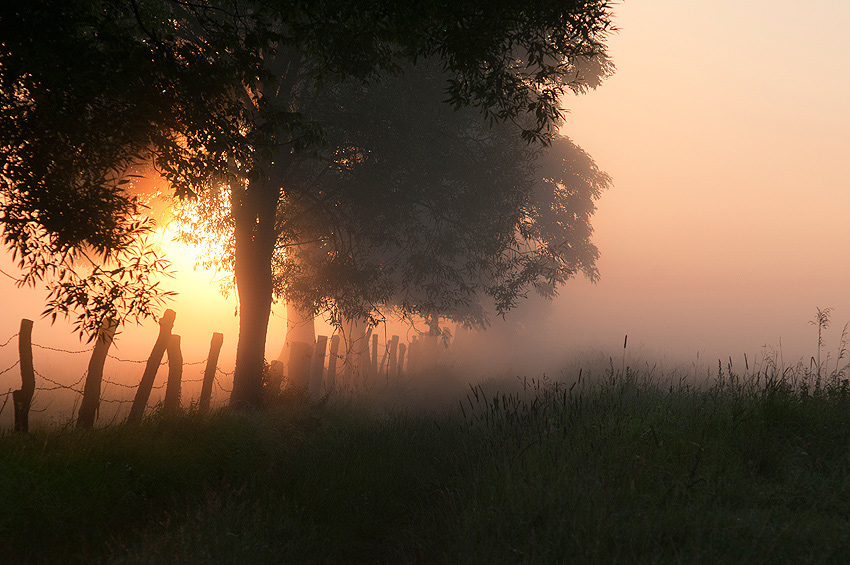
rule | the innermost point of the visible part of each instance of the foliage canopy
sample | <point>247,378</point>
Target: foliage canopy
<point>210,92</point>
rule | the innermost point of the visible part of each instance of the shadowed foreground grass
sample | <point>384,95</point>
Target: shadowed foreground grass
<point>627,470</point>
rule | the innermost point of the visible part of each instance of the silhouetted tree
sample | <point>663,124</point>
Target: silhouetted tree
<point>432,210</point>
<point>210,92</point>
<point>414,207</point>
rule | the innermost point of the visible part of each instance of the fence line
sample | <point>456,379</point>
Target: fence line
<point>75,387</point>
<point>71,351</point>
<point>376,358</point>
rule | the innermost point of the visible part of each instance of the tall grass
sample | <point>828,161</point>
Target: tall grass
<point>630,467</point>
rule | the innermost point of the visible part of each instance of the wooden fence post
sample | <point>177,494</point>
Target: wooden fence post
<point>374,355</point>
<point>413,356</point>
<point>175,375</point>
<point>146,384</point>
<point>22,399</point>
<point>318,369</point>
<point>393,365</point>
<point>364,364</point>
<point>350,357</point>
<point>384,359</point>
<point>94,376</point>
<point>298,369</point>
<point>401,351</point>
<point>333,356</point>
<point>209,371</point>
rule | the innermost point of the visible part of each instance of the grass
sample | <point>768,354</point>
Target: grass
<point>628,468</point>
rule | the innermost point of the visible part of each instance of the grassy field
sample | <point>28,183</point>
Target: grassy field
<point>627,468</point>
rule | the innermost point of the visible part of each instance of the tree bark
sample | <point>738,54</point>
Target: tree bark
<point>254,208</point>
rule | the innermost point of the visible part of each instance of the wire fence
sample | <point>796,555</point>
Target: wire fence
<point>377,353</point>
<point>45,383</point>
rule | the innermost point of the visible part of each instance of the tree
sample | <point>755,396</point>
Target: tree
<point>210,92</point>
<point>432,210</point>
<point>428,212</point>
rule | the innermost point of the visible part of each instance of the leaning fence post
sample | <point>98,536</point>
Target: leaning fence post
<point>332,362</point>
<point>318,369</point>
<point>94,376</point>
<point>146,384</point>
<point>22,399</point>
<point>175,374</point>
<point>209,371</point>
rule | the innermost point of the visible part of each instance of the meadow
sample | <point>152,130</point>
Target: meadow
<point>627,466</point>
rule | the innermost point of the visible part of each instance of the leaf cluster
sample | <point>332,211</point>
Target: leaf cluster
<point>216,92</point>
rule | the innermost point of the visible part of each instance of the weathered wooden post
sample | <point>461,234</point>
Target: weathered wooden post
<point>364,364</point>
<point>374,359</point>
<point>401,350</point>
<point>146,384</point>
<point>384,359</point>
<point>393,366</point>
<point>209,371</point>
<point>298,370</point>
<point>94,376</point>
<point>175,375</point>
<point>22,399</point>
<point>318,369</point>
<point>413,356</point>
<point>350,360</point>
<point>332,358</point>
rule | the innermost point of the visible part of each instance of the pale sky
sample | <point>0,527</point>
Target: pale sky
<point>726,132</point>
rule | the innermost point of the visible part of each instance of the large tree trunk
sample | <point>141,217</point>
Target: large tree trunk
<point>254,209</point>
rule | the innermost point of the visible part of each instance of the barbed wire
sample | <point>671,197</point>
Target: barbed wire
<point>116,400</point>
<point>162,363</point>
<point>119,384</point>
<point>6,370</point>
<point>218,384</point>
<point>9,340</point>
<point>54,385</point>
<point>58,385</point>
<point>383,346</point>
<point>60,350</point>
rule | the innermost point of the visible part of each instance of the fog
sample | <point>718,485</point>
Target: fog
<point>726,133</point>
<point>725,130</point>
